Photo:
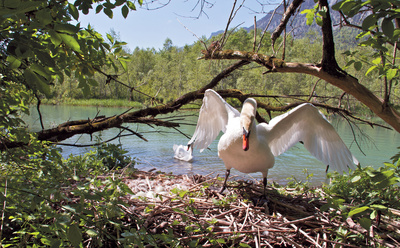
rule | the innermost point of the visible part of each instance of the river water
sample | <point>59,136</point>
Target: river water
<point>378,145</point>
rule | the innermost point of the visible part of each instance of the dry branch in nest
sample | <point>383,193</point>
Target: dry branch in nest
<point>192,209</point>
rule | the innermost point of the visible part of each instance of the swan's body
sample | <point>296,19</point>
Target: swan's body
<point>250,148</point>
<point>183,153</point>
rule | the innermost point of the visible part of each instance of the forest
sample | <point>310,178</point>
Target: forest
<point>99,199</point>
<point>173,71</point>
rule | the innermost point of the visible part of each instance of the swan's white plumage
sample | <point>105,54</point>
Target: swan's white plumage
<point>183,153</point>
<point>303,123</point>
<point>215,114</point>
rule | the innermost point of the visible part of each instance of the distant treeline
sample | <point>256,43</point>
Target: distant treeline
<point>172,71</point>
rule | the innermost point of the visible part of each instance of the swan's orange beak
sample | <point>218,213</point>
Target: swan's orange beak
<point>245,140</point>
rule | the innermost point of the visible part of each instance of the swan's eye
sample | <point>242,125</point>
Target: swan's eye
<point>246,133</point>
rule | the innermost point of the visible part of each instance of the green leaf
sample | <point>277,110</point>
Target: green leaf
<point>365,222</point>
<point>369,21</point>
<point>357,65</point>
<point>131,5</point>
<point>55,38</point>
<point>12,4</point>
<point>123,64</point>
<point>378,206</point>
<point>74,235</point>
<point>355,179</point>
<point>73,11</point>
<point>44,16</point>
<point>318,20</point>
<point>357,210</point>
<point>45,58</point>
<point>377,61</point>
<point>388,27</point>
<point>108,12</point>
<point>14,63</point>
<point>125,11</point>
<point>36,81</point>
<point>110,38</point>
<point>71,42</point>
<point>92,232</point>
<point>371,69</point>
<point>66,28</point>
<point>373,214</point>
<point>99,8</point>
<point>391,73</point>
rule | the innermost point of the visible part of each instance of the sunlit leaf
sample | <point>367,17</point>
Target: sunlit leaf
<point>355,179</point>
<point>370,69</point>
<point>71,42</point>
<point>391,73</point>
<point>123,64</point>
<point>92,232</point>
<point>131,5</point>
<point>358,210</point>
<point>110,38</point>
<point>14,63</point>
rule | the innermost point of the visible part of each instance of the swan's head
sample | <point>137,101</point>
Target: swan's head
<point>246,119</point>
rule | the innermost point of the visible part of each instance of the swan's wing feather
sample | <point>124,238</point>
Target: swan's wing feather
<point>213,118</point>
<point>306,124</point>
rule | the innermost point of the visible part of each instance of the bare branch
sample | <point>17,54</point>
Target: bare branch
<point>285,18</point>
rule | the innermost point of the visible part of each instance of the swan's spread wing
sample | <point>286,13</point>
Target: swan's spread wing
<point>306,124</point>
<point>213,118</point>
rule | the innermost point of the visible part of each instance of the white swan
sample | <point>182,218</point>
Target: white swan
<point>183,153</point>
<point>250,148</point>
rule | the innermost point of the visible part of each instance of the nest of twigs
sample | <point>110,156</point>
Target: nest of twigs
<point>191,208</point>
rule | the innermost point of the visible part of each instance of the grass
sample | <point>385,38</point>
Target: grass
<point>94,102</point>
<point>106,103</point>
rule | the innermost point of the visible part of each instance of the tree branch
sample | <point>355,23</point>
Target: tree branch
<point>343,81</point>
<point>285,18</point>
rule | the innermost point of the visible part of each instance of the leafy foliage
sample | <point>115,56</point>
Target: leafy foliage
<point>64,201</point>
<point>378,31</point>
<point>370,192</point>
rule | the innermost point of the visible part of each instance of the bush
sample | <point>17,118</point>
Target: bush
<point>365,193</point>
<point>50,201</point>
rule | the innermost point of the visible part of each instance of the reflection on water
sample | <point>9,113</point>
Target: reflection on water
<point>377,143</point>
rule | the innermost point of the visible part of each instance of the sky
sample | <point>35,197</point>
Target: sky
<point>145,28</point>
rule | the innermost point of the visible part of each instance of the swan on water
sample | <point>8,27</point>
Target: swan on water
<point>250,148</point>
<point>183,153</point>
